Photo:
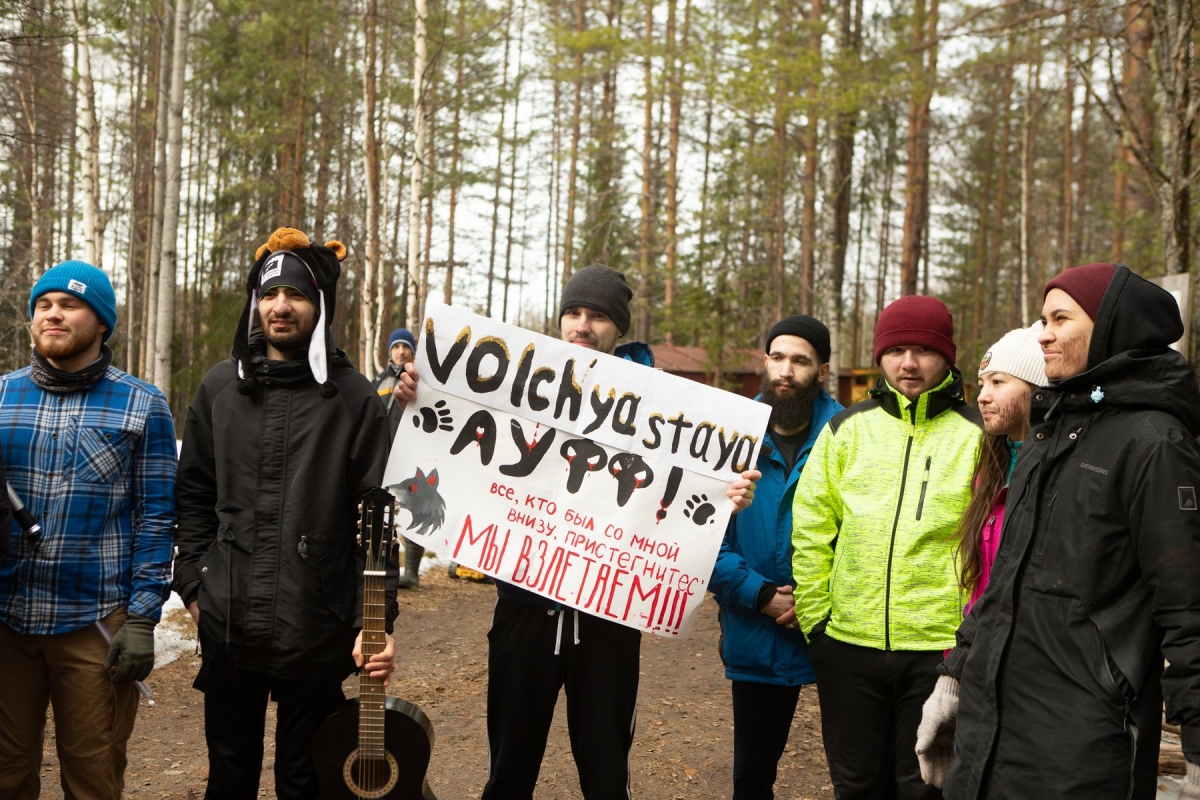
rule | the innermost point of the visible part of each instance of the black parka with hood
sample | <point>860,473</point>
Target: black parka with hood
<point>270,472</point>
<point>1097,578</point>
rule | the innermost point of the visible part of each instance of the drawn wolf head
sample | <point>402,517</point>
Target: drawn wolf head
<point>420,496</point>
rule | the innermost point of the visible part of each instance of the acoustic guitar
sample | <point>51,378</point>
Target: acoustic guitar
<point>377,746</point>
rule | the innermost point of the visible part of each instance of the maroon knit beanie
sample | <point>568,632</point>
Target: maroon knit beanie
<point>1086,285</point>
<point>918,320</point>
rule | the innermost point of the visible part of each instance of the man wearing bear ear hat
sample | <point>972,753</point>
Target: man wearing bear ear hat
<point>1057,682</point>
<point>537,647</point>
<point>280,441</point>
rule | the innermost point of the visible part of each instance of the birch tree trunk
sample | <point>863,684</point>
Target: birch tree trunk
<point>455,155</point>
<point>497,174</point>
<point>576,123</point>
<point>372,271</point>
<point>164,329</point>
<point>418,165</point>
<point>162,93</point>
<point>89,141</point>
<point>512,165</point>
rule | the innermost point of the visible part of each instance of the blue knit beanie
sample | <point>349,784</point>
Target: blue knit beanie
<point>86,282</point>
<point>402,335</point>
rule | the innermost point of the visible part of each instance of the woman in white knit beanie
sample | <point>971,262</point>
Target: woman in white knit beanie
<point>1007,374</point>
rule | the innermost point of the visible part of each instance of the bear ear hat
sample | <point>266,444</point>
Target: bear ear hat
<point>324,271</point>
<point>338,249</point>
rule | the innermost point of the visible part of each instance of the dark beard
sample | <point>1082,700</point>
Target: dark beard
<point>791,411</point>
<point>294,342</point>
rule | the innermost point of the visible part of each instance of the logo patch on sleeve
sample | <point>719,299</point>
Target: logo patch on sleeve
<point>77,286</point>
<point>1187,498</point>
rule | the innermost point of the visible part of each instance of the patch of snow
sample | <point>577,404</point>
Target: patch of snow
<point>175,634</point>
<point>1168,787</point>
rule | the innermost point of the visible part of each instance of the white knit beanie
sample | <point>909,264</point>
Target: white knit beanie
<point>1018,354</point>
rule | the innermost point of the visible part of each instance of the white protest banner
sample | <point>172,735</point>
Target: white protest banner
<point>582,477</point>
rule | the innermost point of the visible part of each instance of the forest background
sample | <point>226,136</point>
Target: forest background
<point>738,160</point>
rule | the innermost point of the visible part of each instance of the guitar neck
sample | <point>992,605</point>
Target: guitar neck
<point>372,694</point>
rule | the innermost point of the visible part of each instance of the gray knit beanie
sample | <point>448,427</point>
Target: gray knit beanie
<point>601,288</point>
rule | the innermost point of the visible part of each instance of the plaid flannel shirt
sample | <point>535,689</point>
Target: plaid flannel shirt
<point>97,469</point>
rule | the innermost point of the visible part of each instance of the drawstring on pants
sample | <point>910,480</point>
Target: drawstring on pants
<point>558,633</point>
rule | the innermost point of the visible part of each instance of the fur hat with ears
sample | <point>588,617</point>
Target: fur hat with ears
<point>324,264</point>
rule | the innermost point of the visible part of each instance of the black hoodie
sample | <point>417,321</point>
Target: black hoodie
<point>1097,578</point>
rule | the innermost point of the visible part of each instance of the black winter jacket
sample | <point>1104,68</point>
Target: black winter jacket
<point>1097,578</point>
<point>267,496</point>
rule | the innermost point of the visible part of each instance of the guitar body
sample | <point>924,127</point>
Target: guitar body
<point>377,747</point>
<point>400,775</point>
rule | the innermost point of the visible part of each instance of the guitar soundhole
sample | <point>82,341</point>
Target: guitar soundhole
<point>370,777</point>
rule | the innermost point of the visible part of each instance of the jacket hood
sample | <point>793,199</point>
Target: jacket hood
<point>1135,314</point>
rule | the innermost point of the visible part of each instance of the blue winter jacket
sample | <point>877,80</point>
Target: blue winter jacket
<point>757,550</point>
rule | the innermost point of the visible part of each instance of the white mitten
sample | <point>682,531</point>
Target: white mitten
<point>935,734</point>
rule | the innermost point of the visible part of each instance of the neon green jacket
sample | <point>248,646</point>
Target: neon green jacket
<point>874,517</point>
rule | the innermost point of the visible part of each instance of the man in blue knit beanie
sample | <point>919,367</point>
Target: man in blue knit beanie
<point>90,451</point>
<point>402,348</point>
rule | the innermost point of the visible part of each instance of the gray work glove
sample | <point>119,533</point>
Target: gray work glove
<point>131,654</point>
<point>1190,790</point>
<point>935,734</point>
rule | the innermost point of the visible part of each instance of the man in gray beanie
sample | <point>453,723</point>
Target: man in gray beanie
<point>531,652</point>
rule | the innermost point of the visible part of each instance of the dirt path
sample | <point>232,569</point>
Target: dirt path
<point>683,747</point>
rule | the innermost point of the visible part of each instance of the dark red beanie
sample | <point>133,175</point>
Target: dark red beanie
<point>919,320</point>
<point>1086,285</point>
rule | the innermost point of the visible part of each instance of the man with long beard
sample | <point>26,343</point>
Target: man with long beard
<point>90,450</point>
<point>764,652</point>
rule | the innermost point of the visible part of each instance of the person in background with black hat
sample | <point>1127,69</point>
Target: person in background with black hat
<point>1057,681</point>
<point>537,647</point>
<point>280,442</point>
<point>402,349</point>
<point>764,653</point>
<point>873,528</point>
<point>90,452</point>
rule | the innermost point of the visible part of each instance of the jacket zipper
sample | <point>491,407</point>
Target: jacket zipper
<point>924,485</point>
<point>887,597</point>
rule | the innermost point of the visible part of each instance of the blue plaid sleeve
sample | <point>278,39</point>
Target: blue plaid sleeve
<point>153,510</point>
